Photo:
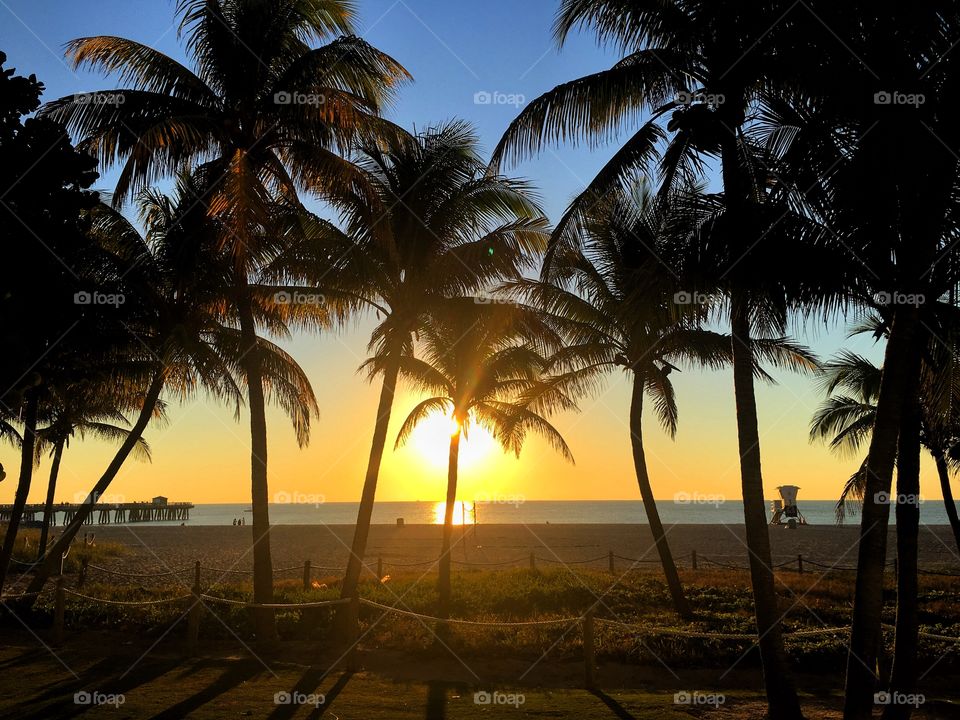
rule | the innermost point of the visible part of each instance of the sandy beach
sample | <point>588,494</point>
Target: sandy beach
<point>155,549</point>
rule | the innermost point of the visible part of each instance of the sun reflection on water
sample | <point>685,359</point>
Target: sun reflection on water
<point>461,510</point>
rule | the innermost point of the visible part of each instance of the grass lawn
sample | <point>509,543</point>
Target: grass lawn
<point>223,687</point>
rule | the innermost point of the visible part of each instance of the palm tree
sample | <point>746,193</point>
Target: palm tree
<point>846,419</point>
<point>621,303</point>
<point>860,148</point>
<point>88,409</point>
<point>265,113</point>
<point>435,225</point>
<point>947,458</point>
<point>705,64</point>
<point>481,365</point>
<point>40,332</point>
<point>183,324</point>
<point>29,412</point>
<point>616,302</point>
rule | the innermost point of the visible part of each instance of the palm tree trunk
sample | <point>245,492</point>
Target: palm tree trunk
<point>951,507</point>
<point>51,561</point>
<point>782,700</point>
<point>252,362</point>
<point>443,582</point>
<point>904,675</point>
<point>23,484</point>
<point>361,532</point>
<point>901,368</point>
<point>680,603</point>
<point>48,505</point>
<point>781,693</point>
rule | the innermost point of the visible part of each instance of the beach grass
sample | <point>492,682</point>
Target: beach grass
<point>722,598</point>
<point>28,540</point>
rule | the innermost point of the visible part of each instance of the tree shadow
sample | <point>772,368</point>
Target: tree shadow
<point>331,694</point>
<point>437,700</point>
<point>438,694</point>
<point>27,657</point>
<point>101,677</point>
<point>616,708</point>
<point>308,684</point>
<point>234,675</point>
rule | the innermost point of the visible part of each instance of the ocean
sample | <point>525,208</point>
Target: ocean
<point>530,512</point>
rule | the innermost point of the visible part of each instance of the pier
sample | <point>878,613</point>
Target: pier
<point>106,513</point>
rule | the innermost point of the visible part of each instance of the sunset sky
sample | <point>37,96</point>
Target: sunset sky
<point>454,50</point>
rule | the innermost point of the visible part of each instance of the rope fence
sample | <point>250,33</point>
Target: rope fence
<point>798,563</point>
<point>391,609</point>
<point>588,620</point>
<point>196,599</point>
<point>645,630</point>
<point>121,573</point>
<point>225,571</point>
<point>273,606</point>
<point>129,603</point>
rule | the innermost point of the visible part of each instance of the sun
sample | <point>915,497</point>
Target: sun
<point>431,440</point>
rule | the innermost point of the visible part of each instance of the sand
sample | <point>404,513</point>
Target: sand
<point>154,548</point>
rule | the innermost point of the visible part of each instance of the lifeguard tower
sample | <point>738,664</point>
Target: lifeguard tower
<point>785,510</point>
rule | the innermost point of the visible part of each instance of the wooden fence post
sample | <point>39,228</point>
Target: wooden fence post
<point>306,575</point>
<point>612,568</point>
<point>693,559</point>
<point>82,576</point>
<point>193,616</point>
<point>800,564</point>
<point>589,652</point>
<point>353,633</point>
<point>58,612</point>
<point>533,561</point>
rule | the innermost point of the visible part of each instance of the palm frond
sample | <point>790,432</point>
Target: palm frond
<point>421,411</point>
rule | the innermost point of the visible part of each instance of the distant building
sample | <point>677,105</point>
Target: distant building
<point>159,500</point>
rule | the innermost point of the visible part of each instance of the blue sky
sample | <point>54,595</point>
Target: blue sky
<point>454,51</point>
